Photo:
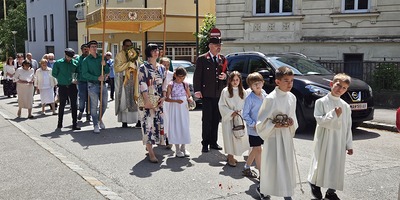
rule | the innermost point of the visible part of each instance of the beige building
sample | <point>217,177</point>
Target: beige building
<point>180,26</point>
<point>345,30</point>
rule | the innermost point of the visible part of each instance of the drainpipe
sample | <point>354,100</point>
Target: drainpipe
<point>66,23</point>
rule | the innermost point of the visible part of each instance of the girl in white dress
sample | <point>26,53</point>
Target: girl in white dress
<point>230,105</point>
<point>178,95</point>
<point>45,83</point>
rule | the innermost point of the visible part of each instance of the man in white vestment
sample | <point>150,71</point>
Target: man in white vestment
<point>332,139</point>
<point>126,86</point>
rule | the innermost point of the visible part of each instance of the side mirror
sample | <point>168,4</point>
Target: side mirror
<point>268,77</point>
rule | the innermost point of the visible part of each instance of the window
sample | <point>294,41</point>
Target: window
<point>237,64</point>
<point>30,30</point>
<point>51,27</point>
<point>72,26</point>
<point>100,2</point>
<point>258,64</point>
<point>272,7</point>
<point>355,5</point>
<point>49,49</point>
<point>45,27</point>
<point>34,29</point>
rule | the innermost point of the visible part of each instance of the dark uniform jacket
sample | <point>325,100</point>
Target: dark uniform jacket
<point>206,74</point>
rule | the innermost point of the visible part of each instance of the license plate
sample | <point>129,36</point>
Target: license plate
<point>358,106</point>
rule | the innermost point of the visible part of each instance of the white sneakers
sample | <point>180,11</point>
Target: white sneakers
<point>96,129</point>
<point>102,126</point>
<point>185,152</point>
<point>180,154</point>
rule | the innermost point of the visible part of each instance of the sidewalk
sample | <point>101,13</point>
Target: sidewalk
<point>384,119</point>
<point>29,171</point>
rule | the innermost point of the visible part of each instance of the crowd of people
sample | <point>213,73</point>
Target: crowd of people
<point>156,97</point>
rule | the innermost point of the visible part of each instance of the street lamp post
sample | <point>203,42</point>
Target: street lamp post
<point>15,43</point>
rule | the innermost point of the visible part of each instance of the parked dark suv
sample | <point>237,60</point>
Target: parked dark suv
<point>311,82</point>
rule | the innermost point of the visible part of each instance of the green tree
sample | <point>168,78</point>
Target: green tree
<point>16,21</point>
<point>204,34</point>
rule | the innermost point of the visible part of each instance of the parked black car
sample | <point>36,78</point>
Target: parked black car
<point>311,82</point>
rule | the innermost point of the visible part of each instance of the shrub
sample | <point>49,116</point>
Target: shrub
<point>387,76</point>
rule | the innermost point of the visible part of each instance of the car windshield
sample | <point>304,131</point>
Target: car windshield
<point>300,65</point>
<point>187,65</point>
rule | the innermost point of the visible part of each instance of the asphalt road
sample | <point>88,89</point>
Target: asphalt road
<point>114,163</point>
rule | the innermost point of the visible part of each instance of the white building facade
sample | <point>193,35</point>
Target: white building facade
<point>345,30</point>
<point>51,27</point>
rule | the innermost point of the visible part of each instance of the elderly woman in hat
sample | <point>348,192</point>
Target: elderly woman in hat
<point>24,77</point>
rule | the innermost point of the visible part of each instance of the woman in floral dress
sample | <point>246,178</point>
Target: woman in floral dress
<point>151,76</point>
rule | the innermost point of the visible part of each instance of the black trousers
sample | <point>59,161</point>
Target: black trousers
<point>64,93</point>
<point>112,87</point>
<point>210,118</point>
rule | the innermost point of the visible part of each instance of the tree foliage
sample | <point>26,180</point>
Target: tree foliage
<point>387,76</point>
<point>15,21</point>
<point>204,34</point>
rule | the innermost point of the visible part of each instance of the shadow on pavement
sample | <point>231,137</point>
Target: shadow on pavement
<point>213,158</point>
<point>87,138</point>
<point>145,168</point>
<point>362,134</point>
<point>358,134</point>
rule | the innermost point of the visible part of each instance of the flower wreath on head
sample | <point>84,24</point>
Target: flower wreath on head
<point>132,54</point>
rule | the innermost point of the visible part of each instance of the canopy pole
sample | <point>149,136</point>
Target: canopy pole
<point>165,25</point>
<point>102,58</point>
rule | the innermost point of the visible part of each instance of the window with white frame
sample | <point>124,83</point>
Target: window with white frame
<point>272,7</point>
<point>100,2</point>
<point>355,5</point>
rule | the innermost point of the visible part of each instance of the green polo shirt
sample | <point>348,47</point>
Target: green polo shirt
<point>80,60</point>
<point>91,68</point>
<point>62,71</point>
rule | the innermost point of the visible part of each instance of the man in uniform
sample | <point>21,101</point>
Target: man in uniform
<point>82,85</point>
<point>62,71</point>
<point>208,81</point>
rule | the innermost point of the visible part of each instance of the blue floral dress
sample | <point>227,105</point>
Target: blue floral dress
<point>151,81</point>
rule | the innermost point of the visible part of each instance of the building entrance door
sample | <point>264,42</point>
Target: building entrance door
<point>353,65</point>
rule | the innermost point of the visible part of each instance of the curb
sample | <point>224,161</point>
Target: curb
<point>381,126</point>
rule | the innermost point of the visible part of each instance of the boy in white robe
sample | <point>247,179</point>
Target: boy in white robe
<point>277,175</point>
<point>332,138</point>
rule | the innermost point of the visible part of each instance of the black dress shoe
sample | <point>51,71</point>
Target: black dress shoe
<point>216,147</point>
<point>124,125</point>
<point>204,149</point>
<point>59,125</point>
<point>77,128</point>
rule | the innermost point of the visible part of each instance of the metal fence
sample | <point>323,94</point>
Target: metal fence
<point>387,74</point>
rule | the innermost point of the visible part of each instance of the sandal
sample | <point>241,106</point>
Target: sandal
<point>249,173</point>
<point>231,163</point>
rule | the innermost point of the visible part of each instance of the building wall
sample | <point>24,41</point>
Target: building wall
<point>38,9</point>
<point>180,25</point>
<point>318,29</point>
